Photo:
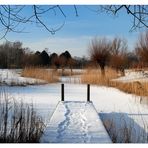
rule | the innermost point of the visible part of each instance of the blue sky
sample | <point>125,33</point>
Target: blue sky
<point>77,32</point>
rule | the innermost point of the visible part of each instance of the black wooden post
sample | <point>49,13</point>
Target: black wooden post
<point>88,92</point>
<point>62,92</point>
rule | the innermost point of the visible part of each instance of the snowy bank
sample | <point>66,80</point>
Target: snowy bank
<point>12,78</point>
<point>132,76</point>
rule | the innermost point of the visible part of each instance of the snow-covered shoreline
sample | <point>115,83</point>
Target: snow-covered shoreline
<point>10,77</point>
<point>133,76</point>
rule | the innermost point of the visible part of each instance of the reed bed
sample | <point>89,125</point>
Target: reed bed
<point>93,76</point>
<point>19,123</point>
<point>137,88</point>
<point>49,76</point>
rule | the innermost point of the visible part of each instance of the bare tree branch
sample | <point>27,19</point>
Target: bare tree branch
<point>61,10</point>
<point>13,17</point>
<point>139,13</point>
<point>76,11</point>
<point>52,31</point>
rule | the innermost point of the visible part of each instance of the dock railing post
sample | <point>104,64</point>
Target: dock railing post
<point>62,92</point>
<point>88,92</point>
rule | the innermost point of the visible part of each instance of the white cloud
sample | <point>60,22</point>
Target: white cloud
<point>77,46</point>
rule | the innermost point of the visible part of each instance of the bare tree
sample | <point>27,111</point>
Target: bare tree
<point>142,48</point>
<point>100,52</point>
<point>56,63</point>
<point>11,54</point>
<point>62,62</point>
<point>118,58</point>
<point>71,62</point>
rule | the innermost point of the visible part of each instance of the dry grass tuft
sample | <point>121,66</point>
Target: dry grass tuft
<point>93,76</point>
<point>138,88</point>
<point>49,76</point>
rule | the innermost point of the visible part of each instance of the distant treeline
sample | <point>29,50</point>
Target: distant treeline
<point>14,55</point>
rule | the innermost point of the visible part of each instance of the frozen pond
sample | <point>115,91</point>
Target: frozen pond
<point>107,101</point>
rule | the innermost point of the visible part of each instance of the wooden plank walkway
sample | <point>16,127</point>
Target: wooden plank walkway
<point>75,122</point>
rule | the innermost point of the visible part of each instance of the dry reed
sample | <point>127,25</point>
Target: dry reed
<point>19,122</point>
<point>93,76</point>
<point>49,76</point>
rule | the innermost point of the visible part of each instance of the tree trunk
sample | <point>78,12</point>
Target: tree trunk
<point>102,70</point>
<point>122,72</point>
<point>62,71</point>
<point>71,71</point>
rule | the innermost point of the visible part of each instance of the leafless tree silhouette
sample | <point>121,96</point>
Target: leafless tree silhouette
<point>139,13</point>
<point>142,49</point>
<point>118,58</point>
<point>13,16</point>
<point>100,52</point>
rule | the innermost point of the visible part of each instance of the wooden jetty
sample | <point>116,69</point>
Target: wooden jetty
<point>75,122</point>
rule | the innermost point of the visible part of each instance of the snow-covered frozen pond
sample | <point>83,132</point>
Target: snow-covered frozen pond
<point>107,101</point>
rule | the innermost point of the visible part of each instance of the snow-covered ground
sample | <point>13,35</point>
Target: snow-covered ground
<point>132,76</point>
<point>12,78</point>
<point>109,102</point>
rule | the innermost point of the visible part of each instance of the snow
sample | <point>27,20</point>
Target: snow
<point>71,79</point>
<point>110,102</point>
<point>75,122</point>
<point>132,76</point>
<point>11,78</point>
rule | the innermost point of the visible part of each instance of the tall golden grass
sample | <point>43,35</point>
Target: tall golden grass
<point>137,88</point>
<point>49,76</point>
<point>93,76</point>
